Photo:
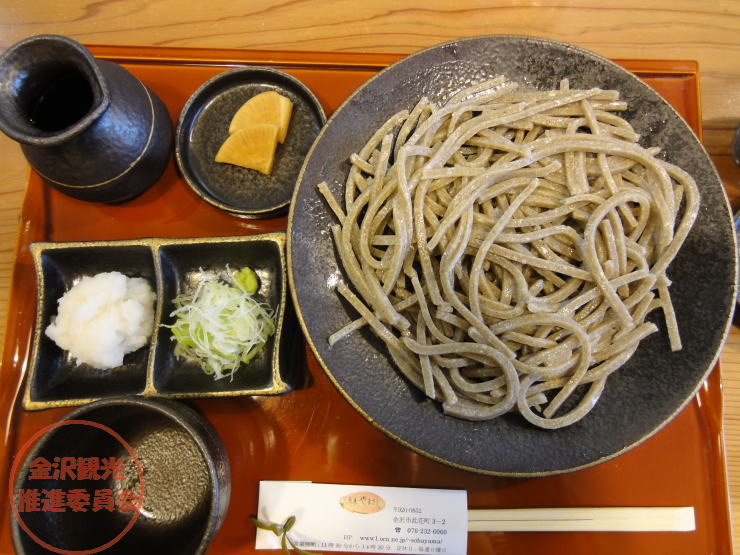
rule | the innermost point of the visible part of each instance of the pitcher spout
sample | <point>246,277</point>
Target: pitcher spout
<point>51,90</point>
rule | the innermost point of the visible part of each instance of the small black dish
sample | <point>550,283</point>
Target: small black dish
<point>182,265</point>
<point>203,127</point>
<point>54,375</point>
<point>171,266</point>
<point>185,470</point>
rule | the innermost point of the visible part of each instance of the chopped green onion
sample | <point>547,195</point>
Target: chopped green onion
<point>221,325</point>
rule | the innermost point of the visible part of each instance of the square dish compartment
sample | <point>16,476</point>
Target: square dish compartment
<point>182,264</point>
<point>171,267</point>
<point>54,378</point>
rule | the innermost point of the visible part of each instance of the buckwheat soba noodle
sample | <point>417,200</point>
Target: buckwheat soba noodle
<point>508,246</point>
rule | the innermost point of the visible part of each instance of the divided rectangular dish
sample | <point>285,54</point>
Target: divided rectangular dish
<point>171,266</point>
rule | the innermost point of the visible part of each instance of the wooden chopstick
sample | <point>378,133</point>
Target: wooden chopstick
<point>583,519</point>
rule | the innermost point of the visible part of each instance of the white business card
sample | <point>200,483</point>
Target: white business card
<point>364,519</point>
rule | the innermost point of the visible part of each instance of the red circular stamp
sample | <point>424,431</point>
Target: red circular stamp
<point>75,499</point>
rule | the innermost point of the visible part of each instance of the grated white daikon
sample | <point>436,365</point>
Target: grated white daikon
<point>104,317</point>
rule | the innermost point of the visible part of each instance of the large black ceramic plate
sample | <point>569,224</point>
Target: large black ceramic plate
<point>641,397</point>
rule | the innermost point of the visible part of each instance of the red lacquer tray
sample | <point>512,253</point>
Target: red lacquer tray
<point>312,433</point>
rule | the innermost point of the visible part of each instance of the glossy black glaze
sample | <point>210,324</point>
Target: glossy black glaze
<point>203,127</point>
<point>187,480</point>
<point>641,397</point>
<point>88,127</point>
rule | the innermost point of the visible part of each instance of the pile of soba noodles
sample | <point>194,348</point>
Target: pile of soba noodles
<point>508,246</point>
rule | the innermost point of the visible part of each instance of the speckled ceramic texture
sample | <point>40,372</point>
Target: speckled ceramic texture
<point>114,151</point>
<point>171,266</point>
<point>640,398</point>
<point>187,480</point>
<point>203,127</point>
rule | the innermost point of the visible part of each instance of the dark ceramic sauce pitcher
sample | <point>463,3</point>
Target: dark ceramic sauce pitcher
<point>88,127</point>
